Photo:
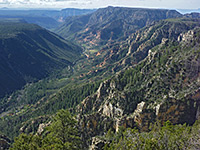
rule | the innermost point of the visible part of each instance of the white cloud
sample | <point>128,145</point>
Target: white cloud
<point>34,3</point>
<point>101,3</point>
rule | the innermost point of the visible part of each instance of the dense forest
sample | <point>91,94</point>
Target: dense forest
<point>112,78</point>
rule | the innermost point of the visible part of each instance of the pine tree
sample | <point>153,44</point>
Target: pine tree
<point>62,134</point>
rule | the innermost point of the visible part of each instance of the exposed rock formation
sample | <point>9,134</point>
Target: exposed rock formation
<point>97,144</point>
<point>159,92</point>
<point>41,127</point>
<point>109,24</point>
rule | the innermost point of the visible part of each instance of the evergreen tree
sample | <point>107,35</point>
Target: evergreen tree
<point>62,134</point>
<point>27,142</point>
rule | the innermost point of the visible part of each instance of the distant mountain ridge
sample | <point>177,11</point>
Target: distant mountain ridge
<point>46,18</point>
<point>192,15</point>
<point>111,23</point>
<point>185,11</point>
<point>67,12</point>
<point>29,52</point>
<point>46,22</point>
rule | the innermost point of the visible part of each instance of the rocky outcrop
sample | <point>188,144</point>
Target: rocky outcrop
<point>186,37</point>
<point>151,91</point>
<point>158,33</point>
<point>35,125</point>
<point>41,127</point>
<point>97,144</point>
<point>92,125</point>
<point>176,111</point>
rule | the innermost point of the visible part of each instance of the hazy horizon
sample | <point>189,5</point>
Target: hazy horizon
<point>94,4</point>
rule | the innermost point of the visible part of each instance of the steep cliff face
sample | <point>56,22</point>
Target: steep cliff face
<point>115,57</point>
<point>138,44</point>
<point>111,23</point>
<point>164,86</point>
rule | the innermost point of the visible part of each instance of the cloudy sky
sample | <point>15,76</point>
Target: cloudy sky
<point>172,4</point>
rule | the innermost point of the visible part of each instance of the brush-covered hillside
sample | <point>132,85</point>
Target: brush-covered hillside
<point>29,52</point>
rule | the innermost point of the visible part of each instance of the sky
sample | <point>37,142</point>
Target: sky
<point>169,4</point>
